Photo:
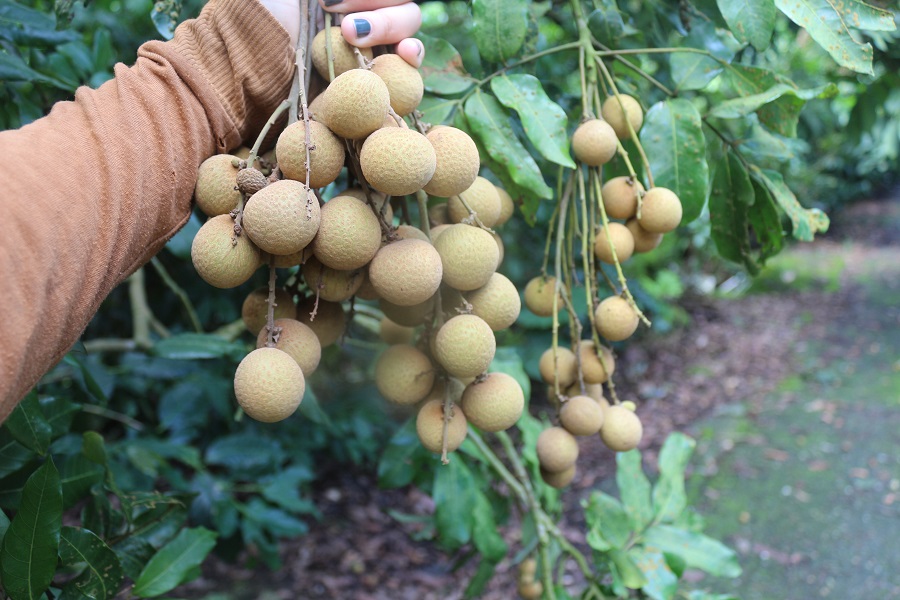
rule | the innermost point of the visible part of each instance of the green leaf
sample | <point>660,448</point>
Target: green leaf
<point>397,466</point>
<point>93,447</point>
<point>490,123</point>
<point>499,27</point>
<point>697,550</point>
<point>173,563</point>
<point>480,579</point>
<point>134,553</point>
<point>669,498</point>
<point>442,68</point>
<point>606,23</point>
<point>28,425</point>
<point>695,70</point>
<point>13,455</point>
<point>607,519</point>
<point>662,584</point>
<point>628,572</point>
<point>703,595</point>
<point>102,573</point>
<point>485,536</point>
<point>30,27</point>
<point>246,452</point>
<point>454,496</point>
<point>13,68</point>
<point>766,222</point>
<point>28,554</point>
<point>750,20</point>
<point>192,346</point>
<point>740,107</point>
<point>673,139</point>
<point>832,24</point>
<point>634,488</point>
<point>806,221</point>
<point>283,489</point>
<point>77,476</point>
<point>508,360</point>
<point>729,202</point>
<point>543,120</point>
<point>59,413</point>
<point>436,110</point>
<point>89,382</point>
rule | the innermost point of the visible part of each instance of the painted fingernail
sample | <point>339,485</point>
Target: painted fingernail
<point>421,48</point>
<point>332,2</point>
<point>363,27</point>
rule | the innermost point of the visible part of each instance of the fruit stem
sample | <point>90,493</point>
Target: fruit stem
<point>557,270</point>
<point>299,81</point>
<point>494,461</point>
<point>473,216</point>
<point>329,51</point>
<point>178,291</point>
<point>448,415</point>
<point>141,314</point>
<point>301,72</point>
<point>424,224</point>
<point>254,152</point>
<point>270,305</point>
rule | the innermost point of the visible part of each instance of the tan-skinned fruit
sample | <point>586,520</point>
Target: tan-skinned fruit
<point>430,427</point>
<point>594,142</point>
<point>660,211</point>
<point>438,214</point>
<point>330,284</point>
<point>329,322</point>
<point>250,180</point>
<point>539,293</point>
<point>592,366</point>
<point>644,241</point>
<point>404,375</point>
<point>620,197</point>
<point>354,104</point>
<point>531,591</point>
<point>495,403</point>
<point>457,162</point>
<point>298,340</point>
<point>565,367</point>
<point>557,449</point>
<point>216,179</point>
<point>394,333</point>
<point>283,217</point>
<point>403,81</point>
<point>497,302</point>
<point>593,390</point>
<point>406,272</point>
<point>344,54</point>
<point>408,232</point>
<point>411,316</point>
<point>255,309</point>
<point>616,319</point>
<point>469,256</point>
<point>612,111</point>
<point>366,291</point>
<point>622,240</point>
<point>465,346</point>
<point>482,197</point>
<point>507,206</point>
<point>349,234</point>
<point>397,161</point>
<point>219,262</point>
<point>560,479</point>
<point>581,416</point>
<point>269,385</point>
<point>622,429</point>
<point>326,154</point>
<point>378,200</point>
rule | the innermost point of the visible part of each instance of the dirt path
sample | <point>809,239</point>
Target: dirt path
<point>793,392</point>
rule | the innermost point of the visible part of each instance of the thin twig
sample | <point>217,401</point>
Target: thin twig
<point>178,291</point>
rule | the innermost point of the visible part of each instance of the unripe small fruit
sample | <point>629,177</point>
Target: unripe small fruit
<point>592,366</point>
<point>495,403</point>
<point>329,322</point>
<point>465,346</point>
<point>457,161</point>
<point>403,82</point>
<point>482,197</point>
<point>298,340</point>
<point>622,429</point>
<point>404,375</point>
<point>620,197</point>
<point>616,319</point>
<point>566,367</point>
<point>219,262</point>
<point>594,142</point>
<point>644,241</point>
<point>342,52</point>
<point>660,211</point>
<point>622,240</point>
<point>250,181</point>
<point>469,256</point>
<point>581,416</point>
<point>269,385</point>
<point>527,569</point>
<point>216,180</point>
<point>255,310</point>
<point>430,427</point>
<point>497,302</point>
<point>283,217</point>
<point>557,449</point>
<point>539,293</point>
<point>531,591</point>
<point>614,114</point>
<point>629,405</point>
<point>558,480</point>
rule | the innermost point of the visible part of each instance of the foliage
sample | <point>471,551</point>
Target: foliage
<point>744,113</point>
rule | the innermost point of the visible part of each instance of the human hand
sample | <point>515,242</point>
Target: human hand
<point>381,22</point>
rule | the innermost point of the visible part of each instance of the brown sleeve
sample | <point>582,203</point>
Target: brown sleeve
<point>92,191</point>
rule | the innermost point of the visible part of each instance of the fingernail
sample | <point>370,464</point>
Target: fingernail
<point>363,27</point>
<point>332,2</point>
<point>421,48</point>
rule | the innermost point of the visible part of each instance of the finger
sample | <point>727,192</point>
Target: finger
<point>346,6</point>
<point>412,51</point>
<point>384,26</point>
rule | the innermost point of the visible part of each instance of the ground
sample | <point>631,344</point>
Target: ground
<point>792,390</point>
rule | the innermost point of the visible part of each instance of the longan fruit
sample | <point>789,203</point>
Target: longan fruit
<point>594,142</point>
<point>539,293</point>
<point>620,197</point>
<point>622,429</point>
<point>614,114</point>
<point>660,210</point>
<point>615,318</point>
<point>622,240</point>
<point>581,416</point>
<point>644,241</point>
<point>430,427</point>
<point>557,449</point>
